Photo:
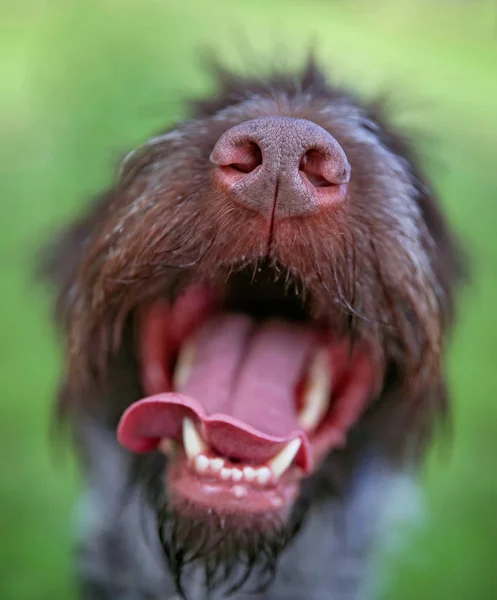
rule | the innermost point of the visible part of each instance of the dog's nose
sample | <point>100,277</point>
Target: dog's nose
<point>281,166</point>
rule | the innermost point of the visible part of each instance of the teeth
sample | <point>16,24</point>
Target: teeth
<point>317,392</point>
<point>192,441</point>
<point>201,463</point>
<point>280,463</point>
<point>263,475</point>
<point>249,473</point>
<point>184,364</point>
<point>225,473</point>
<point>195,450</point>
<point>236,474</point>
<point>216,464</point>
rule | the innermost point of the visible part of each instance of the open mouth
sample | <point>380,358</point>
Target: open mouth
<point>246,392</point>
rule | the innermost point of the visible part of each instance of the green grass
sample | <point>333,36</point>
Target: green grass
<point>83,81</point>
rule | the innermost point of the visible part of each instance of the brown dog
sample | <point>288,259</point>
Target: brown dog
<point>256,316</point>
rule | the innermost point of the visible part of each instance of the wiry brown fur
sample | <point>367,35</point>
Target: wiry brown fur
<point>382,268</point>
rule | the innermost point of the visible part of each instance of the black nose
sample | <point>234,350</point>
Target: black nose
<point>281,166</point>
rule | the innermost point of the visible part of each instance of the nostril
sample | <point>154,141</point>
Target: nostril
<point>310,165</point>
<point>246,158</point>
<point>238,156</point>
<point>321,170</point>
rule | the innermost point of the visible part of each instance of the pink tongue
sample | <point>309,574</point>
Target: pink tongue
<point>242,388</point>
<point>250,372</point>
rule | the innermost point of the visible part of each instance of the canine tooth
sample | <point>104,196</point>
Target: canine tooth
<point>184,364</point>
<point>280,463</point>
<point>317,391</point>
<point>263,475</point>
<point>201,463</point>
<point>192,441</point>
<point>249,473</point>
<point>236,474</point>
<point>216,464</point>
<point>225,473</point>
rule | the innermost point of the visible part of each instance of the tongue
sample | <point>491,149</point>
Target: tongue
<point>242,388</point>
<point>250,372</point>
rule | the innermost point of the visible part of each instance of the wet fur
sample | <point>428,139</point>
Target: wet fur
<point>384,269</point>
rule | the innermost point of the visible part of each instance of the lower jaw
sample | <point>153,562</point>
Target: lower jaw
<point>242,503</point>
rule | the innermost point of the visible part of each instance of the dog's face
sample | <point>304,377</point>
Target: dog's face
<point>287,278</point>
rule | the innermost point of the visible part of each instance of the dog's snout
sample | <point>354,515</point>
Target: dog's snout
<point>282,166</point>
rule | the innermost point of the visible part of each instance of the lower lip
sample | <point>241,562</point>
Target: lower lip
<point>206,494</point>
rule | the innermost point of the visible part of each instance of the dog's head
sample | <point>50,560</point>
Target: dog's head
<point>264,284</point>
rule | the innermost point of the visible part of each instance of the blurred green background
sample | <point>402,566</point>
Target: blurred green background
<point>83,81</point>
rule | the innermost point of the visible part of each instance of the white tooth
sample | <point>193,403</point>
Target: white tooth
<point>225,473</point>
<point>263,475</point>
<point>216,464</point>
<point>249,473</point>
<point>184,364</point>
<point>236,474</point>
<point>201,463</point>
<point>280,463</point>
<point>317,391</point>
<point>192,441</point>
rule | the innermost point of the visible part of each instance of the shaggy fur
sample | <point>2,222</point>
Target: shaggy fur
<point>383,269</point>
